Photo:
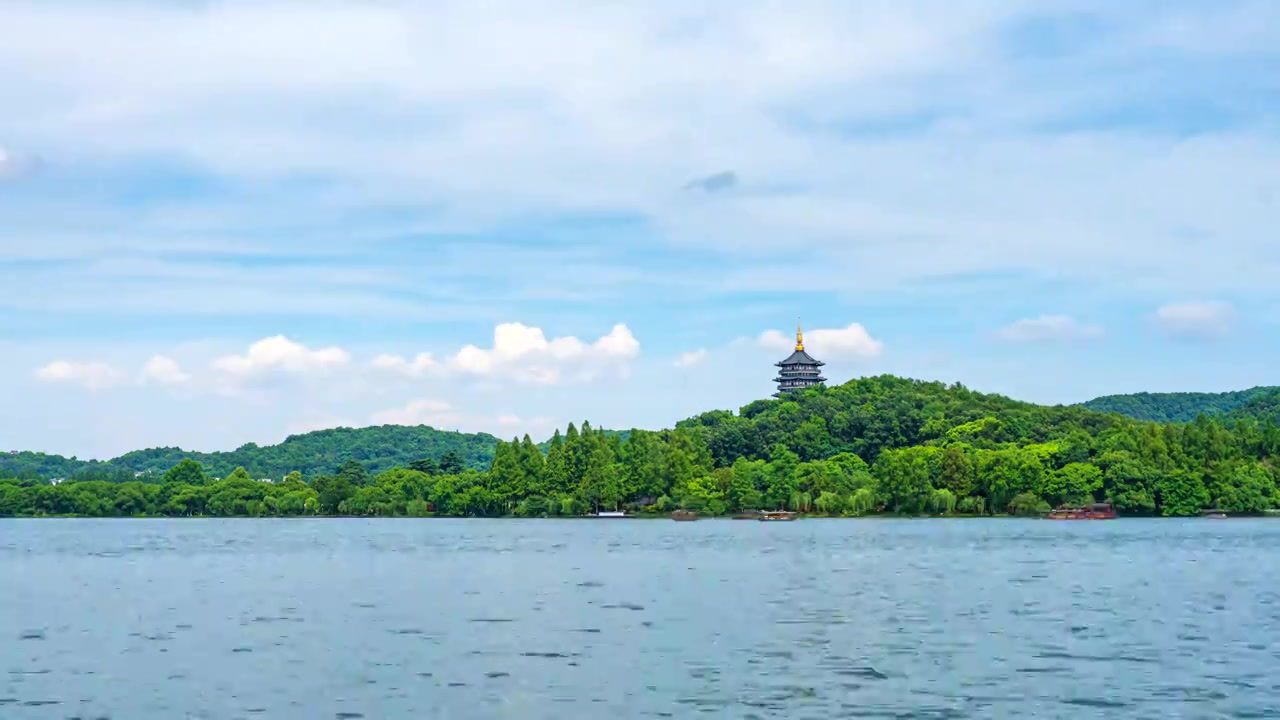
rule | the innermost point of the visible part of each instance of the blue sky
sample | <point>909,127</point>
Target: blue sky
<point>226,221</point>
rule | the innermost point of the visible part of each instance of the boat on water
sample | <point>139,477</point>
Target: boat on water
<point>1214,514</point>
<point>1094,511</point>
<point>684,515</point>
<point>777,516</point>
<point>610,514</point>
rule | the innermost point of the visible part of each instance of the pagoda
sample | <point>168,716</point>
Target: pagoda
<point>798,371</point>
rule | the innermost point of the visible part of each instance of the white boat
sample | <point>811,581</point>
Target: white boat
<point>611,514</point>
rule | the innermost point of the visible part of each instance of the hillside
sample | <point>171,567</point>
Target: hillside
<point>1263,408</point>
<point>873,445</point>
<point>312,454</point>
<point>1176,407</point>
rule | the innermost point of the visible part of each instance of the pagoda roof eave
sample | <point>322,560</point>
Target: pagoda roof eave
<point>799,357</point>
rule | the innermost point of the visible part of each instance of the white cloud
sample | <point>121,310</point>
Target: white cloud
<point>853,340</point>
<point>445,416</point>
<point>1196,319</point>
<point>855,127</point>
<point>436,413</point>
<point>524,354</point>
<point>422,364</point>
<point>90,375</point>
<point>14,165</point>
<point>278,353</point>
<point>693,358</point>
<point>821,91</point>
<point>1048,327</point>
<point>164,370</point>
<point>8,164</point>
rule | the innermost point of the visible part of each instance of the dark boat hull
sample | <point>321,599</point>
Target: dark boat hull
<point>1100,511</point>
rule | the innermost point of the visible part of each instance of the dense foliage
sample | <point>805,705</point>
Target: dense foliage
<point>1178,407</point>
<point>313,453</point>
<point>880,444</point>
<point>1260,408</point>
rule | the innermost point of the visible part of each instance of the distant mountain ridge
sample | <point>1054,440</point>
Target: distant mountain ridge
<point>384,447</point>
<point>1185,406</point>
<point>377,448</point>
<point>872,445</point>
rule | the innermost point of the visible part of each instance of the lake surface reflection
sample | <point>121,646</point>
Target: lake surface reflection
<point>307,619</point>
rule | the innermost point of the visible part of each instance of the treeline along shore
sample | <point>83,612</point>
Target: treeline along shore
<point>878,445</point>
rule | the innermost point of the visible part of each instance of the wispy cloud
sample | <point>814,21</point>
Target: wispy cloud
<point>1196,319</point>
<point>510,140</point>
<point>444,416</point>
<point>1047,328</point>
<point>10,165</point>
<point>714,183</point>
<point>1124,151</point>
<point>164,370</point>
<point>90,375</point>
<point>420,365</point>
<point>692,358</point>
<point>850,341</point>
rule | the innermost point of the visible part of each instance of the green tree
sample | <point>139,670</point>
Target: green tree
<point>811,440</point>
<point>1182,492</point>
<point>862,502</point>
<point>1075,483</point>
<point>353,472</point>
<point>1249,490</point>
<point>902,477</point>
<point>332,491</point>
<point>957,471</point>
<point>428,466</point>
<point>451,463</point>
<point>600,482</point>
<point>781,482</point>
<point>556,471</point>
<point>1129,483</point>
<point>534,466</point>
<point>748,476</point>
<point>829,503</point>
<point>187,472</point>
<point>507,481</point>
<point>1027,504</point>
<point>942,502</point>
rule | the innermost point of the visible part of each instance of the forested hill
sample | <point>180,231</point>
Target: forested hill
<point>1261,408</point>
<point>312,454</point>
<point>1178,406</point>
<point>873,445</point>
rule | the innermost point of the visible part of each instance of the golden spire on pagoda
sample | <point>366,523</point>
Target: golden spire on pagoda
<point>799,337</point>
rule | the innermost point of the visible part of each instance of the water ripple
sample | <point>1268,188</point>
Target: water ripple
<point>817,619</point>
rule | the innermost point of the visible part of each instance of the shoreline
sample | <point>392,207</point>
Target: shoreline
<point>883,516</point>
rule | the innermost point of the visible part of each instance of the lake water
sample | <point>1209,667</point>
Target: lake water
<point>314,619</point>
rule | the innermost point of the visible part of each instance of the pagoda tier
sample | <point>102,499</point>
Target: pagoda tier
<point>798,371</point>
<point>790,381</point>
